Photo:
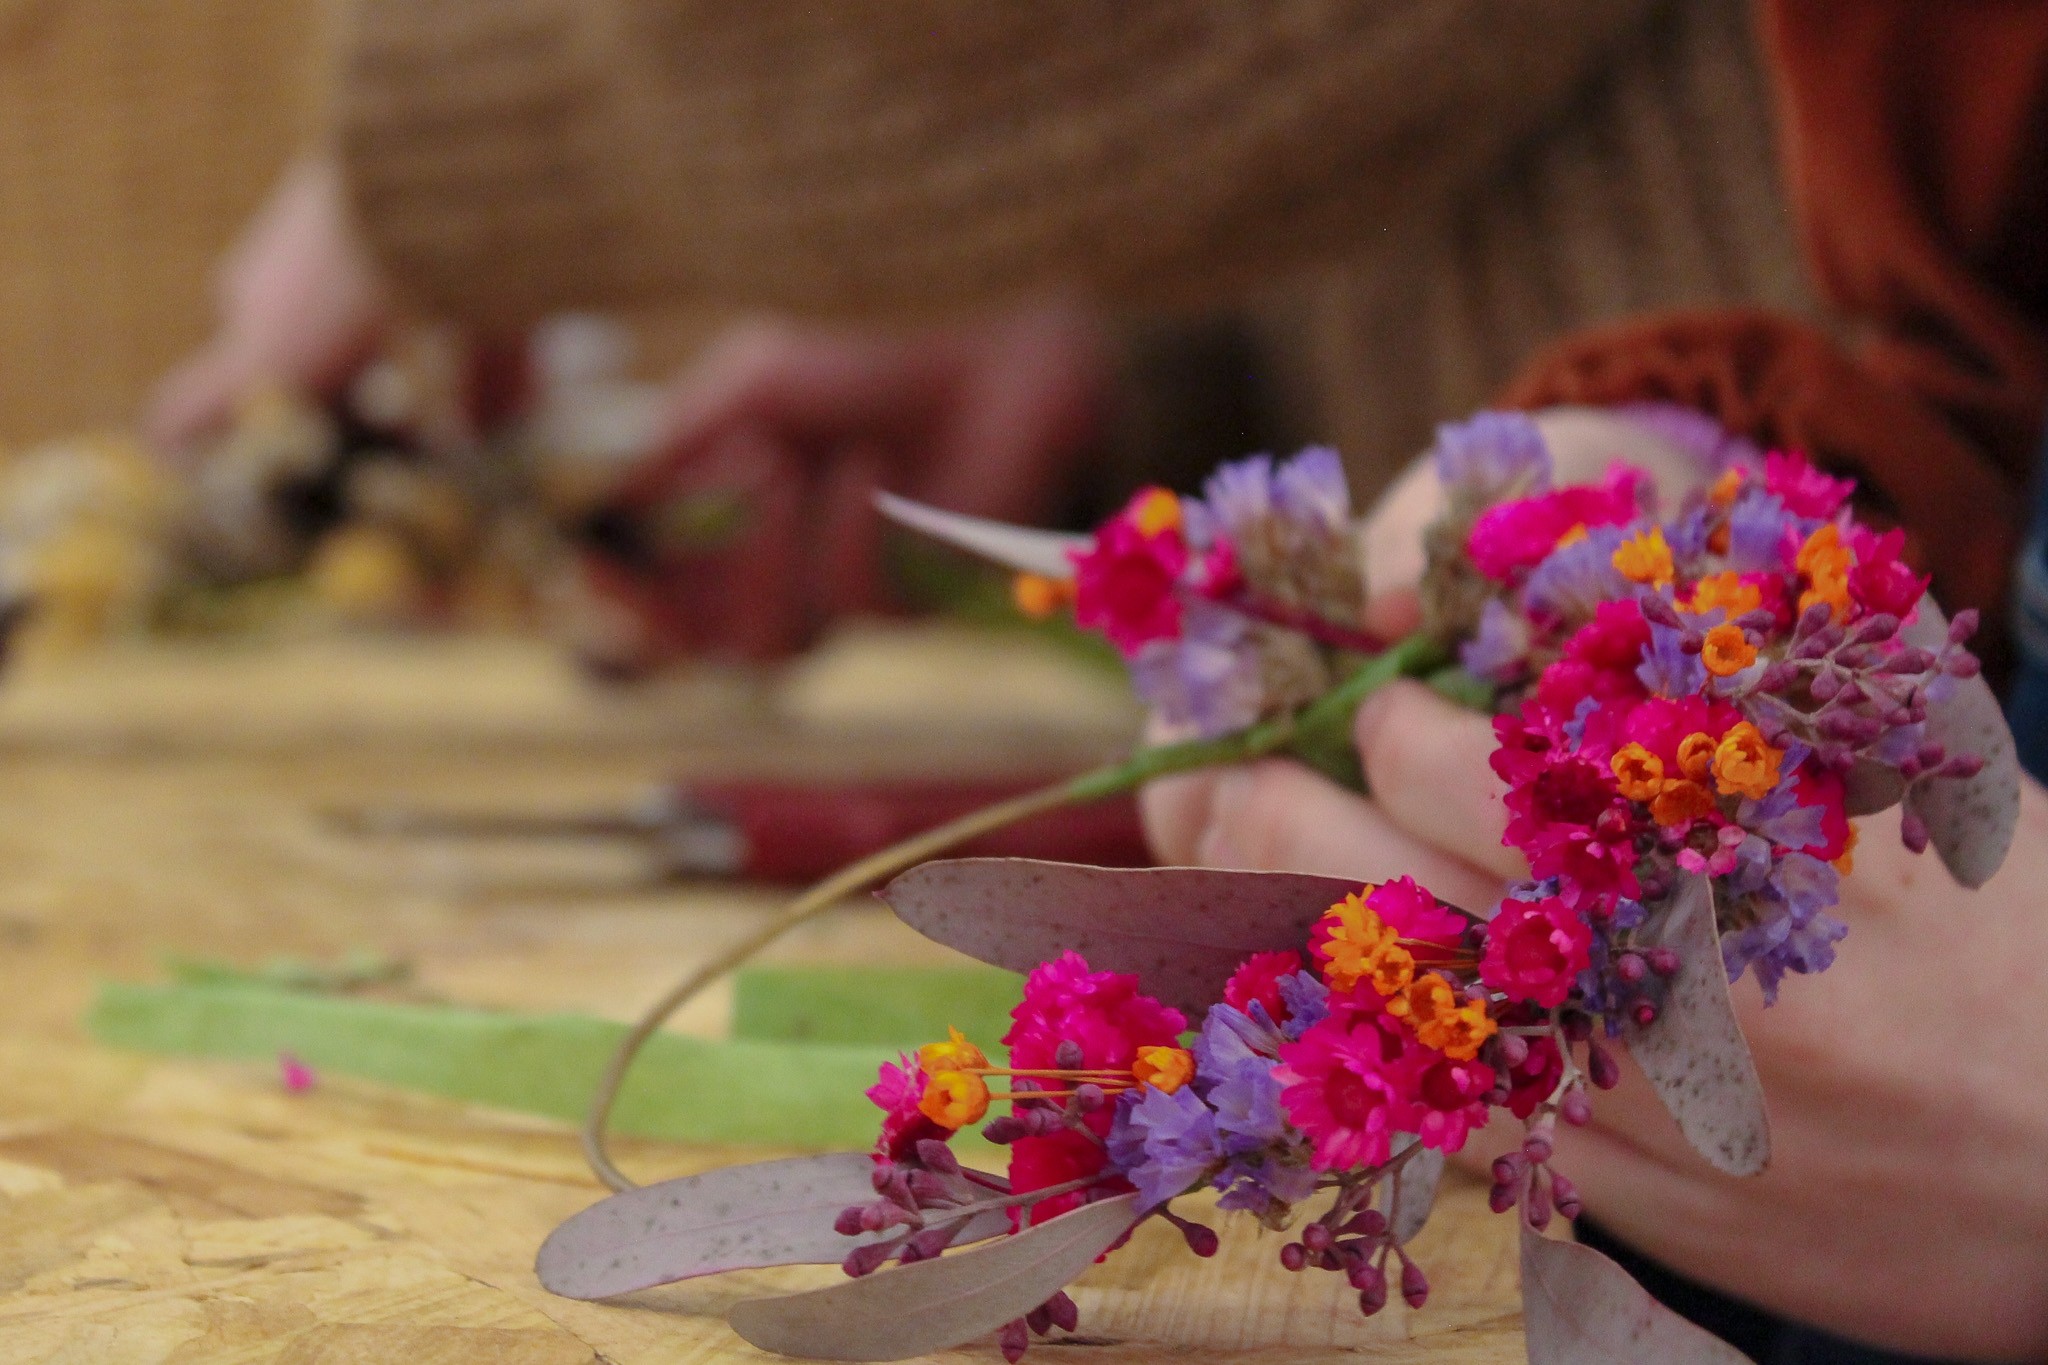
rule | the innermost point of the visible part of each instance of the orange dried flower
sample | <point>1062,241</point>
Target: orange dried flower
<point>1638,772</point>
<point>1727,651</point>
<point>1726,591</point>
<point>1744,765</point>
<point>1725,488</point>
<point>1645,558</point>
<point>1681,802</point>
<point>1442,1019</point>
<point>1826,563</point>
<point>1356,945</point>
<point>1039,597</point>
<point>1164,1068</point>
<point>954,1099</point>
<point>955,1054</point>
<point>1696,756</point>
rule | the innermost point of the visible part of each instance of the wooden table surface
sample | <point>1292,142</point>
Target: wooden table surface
<point>165,800</point>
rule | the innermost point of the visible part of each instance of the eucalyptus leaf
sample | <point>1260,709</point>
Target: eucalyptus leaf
<point>1182,930</point>
<point>1579,1308</point>
<point>1017,547</point>
<point>1694,1052</point>
<point>1870,787</point>
<point>1970,821</point>
<point>1416,1183</point>
<point>734,1218</point>
<point>928,1306</point>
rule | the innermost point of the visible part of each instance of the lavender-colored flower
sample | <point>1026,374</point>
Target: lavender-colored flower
<point>1228,1037</point>
<point>1211,678</point>
<point>1165,1144</point>
<point>1263,1182</point>
<point>1499,648</point>
<point>1708,441</point>
<point>1308,1003</point>
<point>1311,489</point>
<point>1573,580</point>
<point>1237,495</point>
<point>1247,1106</point>
<point>1793,931</point>
<point>1491,456</point>
<point>1757,526</point>
<point>1687,535</point>
<point>1667,669</point>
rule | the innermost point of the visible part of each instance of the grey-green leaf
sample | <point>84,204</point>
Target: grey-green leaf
<point>1017,547</point>
<point>1579,1308</point>
<point>928,1306</point>
<point>1694,1053</point>
<point>734,1218</point>
<point>1970,821</point>
<point>1415,1185</point>
<point>1182,930</point>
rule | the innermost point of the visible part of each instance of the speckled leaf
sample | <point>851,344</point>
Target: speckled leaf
<point>914,1309</point>
<point>1579,1308</point>
<point>1183,930</point>
<point>1694,1053</point>
<point>735,1218</point>
<point>1970,821</point>
<point>1017,547</point>
<point>1416,1181</point>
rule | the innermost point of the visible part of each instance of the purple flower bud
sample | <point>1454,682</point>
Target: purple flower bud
<point>1644,1013</point>
<point>1015,1339</point>
<point>1601,1068</point>
<point>1293,1257</point>
<point>1907,661</point>
<point>1088,1098</point>
<point>866,1260</point>
<point>1814,619</point>
<point>1963,626</point>
<point>1201,1240</point>
<point>1913,832</point>
<point>1536,1208</point>
<point>1509,1168</point>
<point>1875,629</point>
<point>1537,1147</point>
<point>1849,727</point>
<point>1369,1223</point>
<point>1630,967</point>
<point>1316,1237</point>
<point>929,1188</point>
<point>1692,642</point>
<point>1961,665</point>
<point>1002,1130</point>
<point>1577,1026</point>
<point>1777,677</point>
<point>1664,962</point>
<point>1825,685</point>
<point>1963,765</point>
<point>1068,1056</point>
<point>928,1243</point>
<point>1503,1197</point>
<point>1514,1049</point>
<point>1909,769</point>
<point>1566,1196</point>
<point>1038,1320</point>
<point>896,1189</point>
<point>881,1175</point>
<point>937,1156</point>
<point>1575,1108</point>
<point>1759,621</point>
<point>1659,612</point>
<point>1852,692</point>
<point>1066,1315</point>
<point>1372,1294</point>
<point>1414,1284</point>
<point>1856,656</point>
<point>849,1221</point>
<point>1931,755</point>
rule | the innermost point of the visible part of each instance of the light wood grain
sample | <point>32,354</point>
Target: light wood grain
<point>173,1212</point>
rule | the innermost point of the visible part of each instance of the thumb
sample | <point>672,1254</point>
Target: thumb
<point>1426,763</point>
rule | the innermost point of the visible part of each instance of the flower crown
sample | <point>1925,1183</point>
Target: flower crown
<point>1690,711</point>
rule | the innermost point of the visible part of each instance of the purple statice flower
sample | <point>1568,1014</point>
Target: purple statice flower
<point>1687,535</point>
<point>1575,732</point>
<point>1211,678</point>
<point>1491,456</point>
<point>1499,649</point>
<point>1667,669</point>
<point>1779,816</point>
<point>1237,495</point>
<point>1793,931</point>
<point>1713,445</point>
<point>1757,526</point>
<point>1262,1182</point>
<point>1311,489</point>
<point>1228,1037</point>
<point>1163,1143</point>
<point>1247,1107</point>
<point>1573,580</point>
<point>1308,1003</point>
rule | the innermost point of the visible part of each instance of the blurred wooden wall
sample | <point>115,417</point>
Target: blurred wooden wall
<point>135,136</point>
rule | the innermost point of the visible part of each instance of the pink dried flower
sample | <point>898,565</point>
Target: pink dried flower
<point>1127,583</point>
<point>1348,1086</point>
<point>1535,951</point>
<point>1805,491</point>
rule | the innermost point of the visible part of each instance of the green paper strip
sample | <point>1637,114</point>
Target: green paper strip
<point>740,1092</point>
<point>891,1007</point>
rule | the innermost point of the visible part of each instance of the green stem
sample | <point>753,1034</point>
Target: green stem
<point>1318,730</point>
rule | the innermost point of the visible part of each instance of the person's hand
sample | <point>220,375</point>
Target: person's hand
<point>1907,1198</point>
<point>754,523</point>
<point>301,307</point>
